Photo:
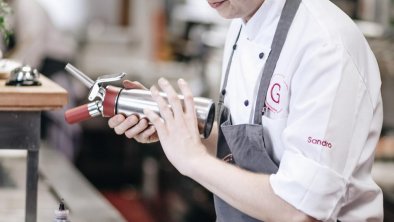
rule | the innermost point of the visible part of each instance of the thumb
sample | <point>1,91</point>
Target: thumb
<point>133,85</point>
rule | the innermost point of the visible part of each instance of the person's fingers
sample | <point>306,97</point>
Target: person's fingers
<point>172,97</point>
<point>188,98</point>
<point>126,124</point>
<point>165,111</point>
<point>147,136</point>
<point>157,122</point>
<point>136,129</point>
<point>133,85</point>
<point>115,120</point>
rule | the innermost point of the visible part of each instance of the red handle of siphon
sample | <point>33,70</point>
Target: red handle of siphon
<point>77,114</point>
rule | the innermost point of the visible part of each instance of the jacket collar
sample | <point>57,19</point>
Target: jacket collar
<point>265,18</point>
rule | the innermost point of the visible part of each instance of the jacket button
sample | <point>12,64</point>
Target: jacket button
<point>261,55</point>
<point>246,103</point>
<point>224,92</point>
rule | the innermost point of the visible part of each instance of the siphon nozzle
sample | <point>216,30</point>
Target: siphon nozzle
<point>79,75</point>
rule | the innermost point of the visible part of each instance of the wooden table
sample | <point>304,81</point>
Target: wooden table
<point>20,118</point>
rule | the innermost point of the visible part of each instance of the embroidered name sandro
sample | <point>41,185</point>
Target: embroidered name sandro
<point>319,142</point>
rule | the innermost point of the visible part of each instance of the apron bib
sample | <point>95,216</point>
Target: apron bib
<point>243,145</point>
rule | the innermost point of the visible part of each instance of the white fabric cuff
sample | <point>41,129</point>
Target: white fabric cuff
<point>308,186</point>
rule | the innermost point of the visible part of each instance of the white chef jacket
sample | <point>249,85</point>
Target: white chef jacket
<point>324,108</point>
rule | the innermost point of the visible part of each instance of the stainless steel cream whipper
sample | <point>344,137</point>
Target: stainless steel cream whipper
<point>113,100</point>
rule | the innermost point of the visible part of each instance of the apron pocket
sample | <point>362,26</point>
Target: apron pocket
<point>246,143</point>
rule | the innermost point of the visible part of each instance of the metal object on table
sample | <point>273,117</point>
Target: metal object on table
<point>24,76</point>
<point>115,100</point>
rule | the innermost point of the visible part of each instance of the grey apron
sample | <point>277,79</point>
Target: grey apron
<point>243,145</point>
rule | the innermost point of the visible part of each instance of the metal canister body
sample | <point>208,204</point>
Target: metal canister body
<point>134,101</point>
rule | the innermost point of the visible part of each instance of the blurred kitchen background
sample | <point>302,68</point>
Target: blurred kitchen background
<point>147,40</point>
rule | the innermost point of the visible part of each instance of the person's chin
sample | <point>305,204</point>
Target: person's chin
<point>226,14</point>
<point>226,17</point>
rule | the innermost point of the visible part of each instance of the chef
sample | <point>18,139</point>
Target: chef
<point>300,116</point>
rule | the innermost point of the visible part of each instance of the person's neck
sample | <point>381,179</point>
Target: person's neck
<point>247,18</point>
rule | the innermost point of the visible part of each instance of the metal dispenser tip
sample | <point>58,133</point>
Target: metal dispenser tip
<point>79,75</point>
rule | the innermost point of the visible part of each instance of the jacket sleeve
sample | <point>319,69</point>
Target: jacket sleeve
<point>329,122</point>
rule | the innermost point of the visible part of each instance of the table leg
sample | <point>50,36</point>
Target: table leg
<point>21,130</point>
<point>32,121</point>
<point>31,186</point>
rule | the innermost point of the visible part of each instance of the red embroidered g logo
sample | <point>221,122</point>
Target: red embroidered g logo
<point>277,95</point>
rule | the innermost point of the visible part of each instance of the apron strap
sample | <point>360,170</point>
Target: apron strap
<point>286,19</point>
<point>223,91</point>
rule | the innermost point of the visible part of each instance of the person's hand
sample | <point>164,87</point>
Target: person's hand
<point>132,126</point>
<point>177,127</point>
